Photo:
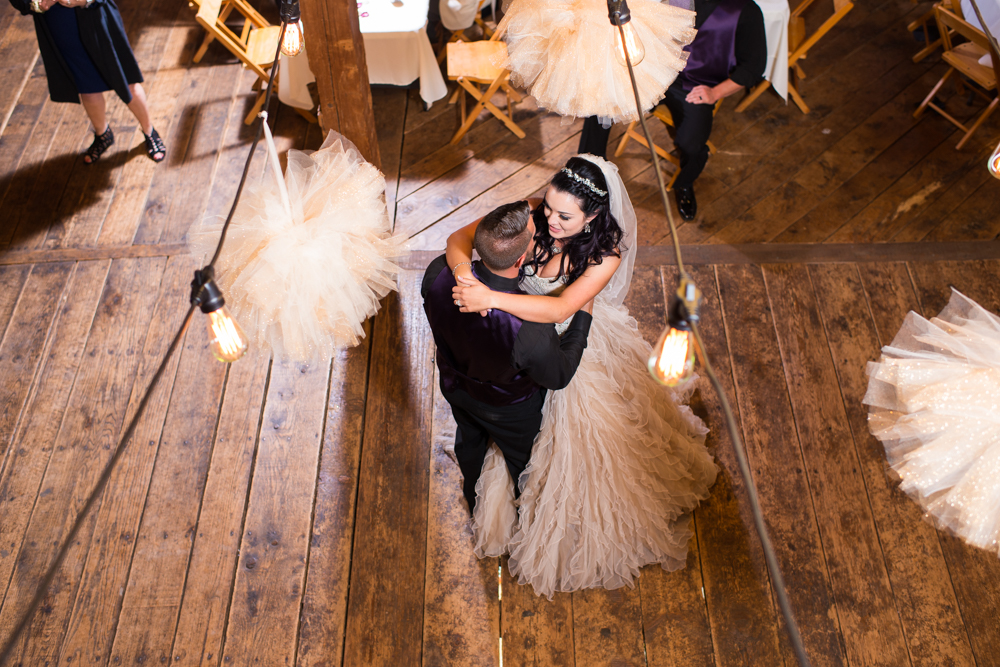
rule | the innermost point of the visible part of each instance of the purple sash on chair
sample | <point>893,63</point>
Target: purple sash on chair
<point>713,51</point>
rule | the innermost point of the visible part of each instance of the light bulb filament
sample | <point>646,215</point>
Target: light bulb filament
<point>994,163</point>
<point>228,341</point>
<point>632,45</point>
<point>291,44</point>
<point>672,361</point>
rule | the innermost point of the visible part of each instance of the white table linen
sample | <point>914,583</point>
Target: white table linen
<point>396,46</point>
<point>991,14</point>
<point>397,52</point>
<point>776,14</point>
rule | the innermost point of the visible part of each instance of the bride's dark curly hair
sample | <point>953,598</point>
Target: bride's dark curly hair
<point>585,248</point>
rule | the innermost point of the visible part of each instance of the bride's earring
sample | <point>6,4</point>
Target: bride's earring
<point>586,228</point>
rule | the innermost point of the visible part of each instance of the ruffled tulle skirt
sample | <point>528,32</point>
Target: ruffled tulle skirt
<point>302,274</point>
<point>562,53</point>
<point>935,405</point>
<point>614,473</point>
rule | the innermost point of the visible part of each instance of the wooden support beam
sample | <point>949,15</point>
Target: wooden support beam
<point>337,58</point>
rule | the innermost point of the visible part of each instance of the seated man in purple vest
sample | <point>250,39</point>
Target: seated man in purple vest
<point>495,369</point>
<point>728,55</point>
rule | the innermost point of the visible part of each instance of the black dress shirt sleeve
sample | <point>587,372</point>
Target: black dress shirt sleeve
<point>549,360</point>
<point>751,47</point>
<point>23,6</point>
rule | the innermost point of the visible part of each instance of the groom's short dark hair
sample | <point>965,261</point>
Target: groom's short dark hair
<point>502,235</point>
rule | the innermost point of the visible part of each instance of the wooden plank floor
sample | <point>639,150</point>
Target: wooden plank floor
<point>279,514</point>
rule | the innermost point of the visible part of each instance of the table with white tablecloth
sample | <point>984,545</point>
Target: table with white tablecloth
<point>397,52</point>
<point>776,14</point>
<point>990,10</point>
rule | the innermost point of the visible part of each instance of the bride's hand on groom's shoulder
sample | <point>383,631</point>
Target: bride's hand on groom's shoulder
<point>471,296</point>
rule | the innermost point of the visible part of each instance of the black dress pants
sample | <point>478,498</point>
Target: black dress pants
<point>513,428</point>
<point>692,127</point>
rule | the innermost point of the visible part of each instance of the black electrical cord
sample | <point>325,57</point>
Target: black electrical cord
<point>618,12</point>
<point>198,295</point>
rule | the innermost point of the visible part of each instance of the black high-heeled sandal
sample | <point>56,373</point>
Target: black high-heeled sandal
<point>102,142</point>
<point>155,145</point>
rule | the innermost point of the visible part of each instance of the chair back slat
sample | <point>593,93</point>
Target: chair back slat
<point>208,11</point>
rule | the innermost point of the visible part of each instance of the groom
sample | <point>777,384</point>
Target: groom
<point>495,369</point>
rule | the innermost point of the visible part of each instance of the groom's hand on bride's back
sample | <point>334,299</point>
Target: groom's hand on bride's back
<point>589,308</point>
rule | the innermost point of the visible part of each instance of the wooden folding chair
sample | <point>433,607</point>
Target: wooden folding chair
<point>254,46</point>
<point>471,65</point>
<point>459,35</point>
<point>661,113</point>
<point>798,49</point>
<point>964,59</point>
<point>928,19</point>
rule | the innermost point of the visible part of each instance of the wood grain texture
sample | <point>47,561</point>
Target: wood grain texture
<point>775,456</point>
<point>921,584</point>
<point>208,586</point>
<point>502,161</point>
<point>88,434</point>
<point>536,632</point>
<point>153,596</point>
<point>744,628</point>
<point>868,616</point>
<point>459,587</point>
<point>267,592</point>
<point>32,443</point>
<point>207,106</point>
<point>105,573</point>
<point>607,627</point>
<point>522,184</point>
<point>24,337</point>
<point>324,605</point>
<point>385,608</point>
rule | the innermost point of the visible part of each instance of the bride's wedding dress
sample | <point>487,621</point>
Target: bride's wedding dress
<point>615,471</point>
<point>935,405</point>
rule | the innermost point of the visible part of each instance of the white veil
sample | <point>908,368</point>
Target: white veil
<point>621,208</point>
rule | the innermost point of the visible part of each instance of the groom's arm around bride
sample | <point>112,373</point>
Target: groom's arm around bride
<point>494,370</point>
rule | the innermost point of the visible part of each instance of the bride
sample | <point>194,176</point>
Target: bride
<point>618,464</point>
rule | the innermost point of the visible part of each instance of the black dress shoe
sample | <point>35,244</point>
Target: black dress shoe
<point>687,205</point>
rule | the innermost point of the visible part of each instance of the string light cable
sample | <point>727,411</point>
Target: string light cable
<point>227,343</point>
<point>673,357</point>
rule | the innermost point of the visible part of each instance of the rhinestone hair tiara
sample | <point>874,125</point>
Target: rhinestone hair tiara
<point>585,181</point>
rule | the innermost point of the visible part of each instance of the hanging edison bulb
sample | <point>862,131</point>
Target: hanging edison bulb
<point>672,360</point>
<point>994,164</point>
<point>227,340</point>
<point>619,15</point>
<point>632,44</point>
<point>291,43</point>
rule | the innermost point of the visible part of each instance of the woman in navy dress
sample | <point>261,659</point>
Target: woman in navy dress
<point>86,53</point>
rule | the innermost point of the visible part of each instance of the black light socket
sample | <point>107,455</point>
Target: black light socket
<point>290,12</point>
<point>204,292</point>
<point>618,12</point>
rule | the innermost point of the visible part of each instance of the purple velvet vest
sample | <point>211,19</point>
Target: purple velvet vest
<point>474,352</point>
<point>713,51</point>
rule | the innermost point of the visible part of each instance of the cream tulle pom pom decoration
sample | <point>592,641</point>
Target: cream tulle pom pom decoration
<point>308,257</point>
<point>563,53</point>
<point>935,405</point>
